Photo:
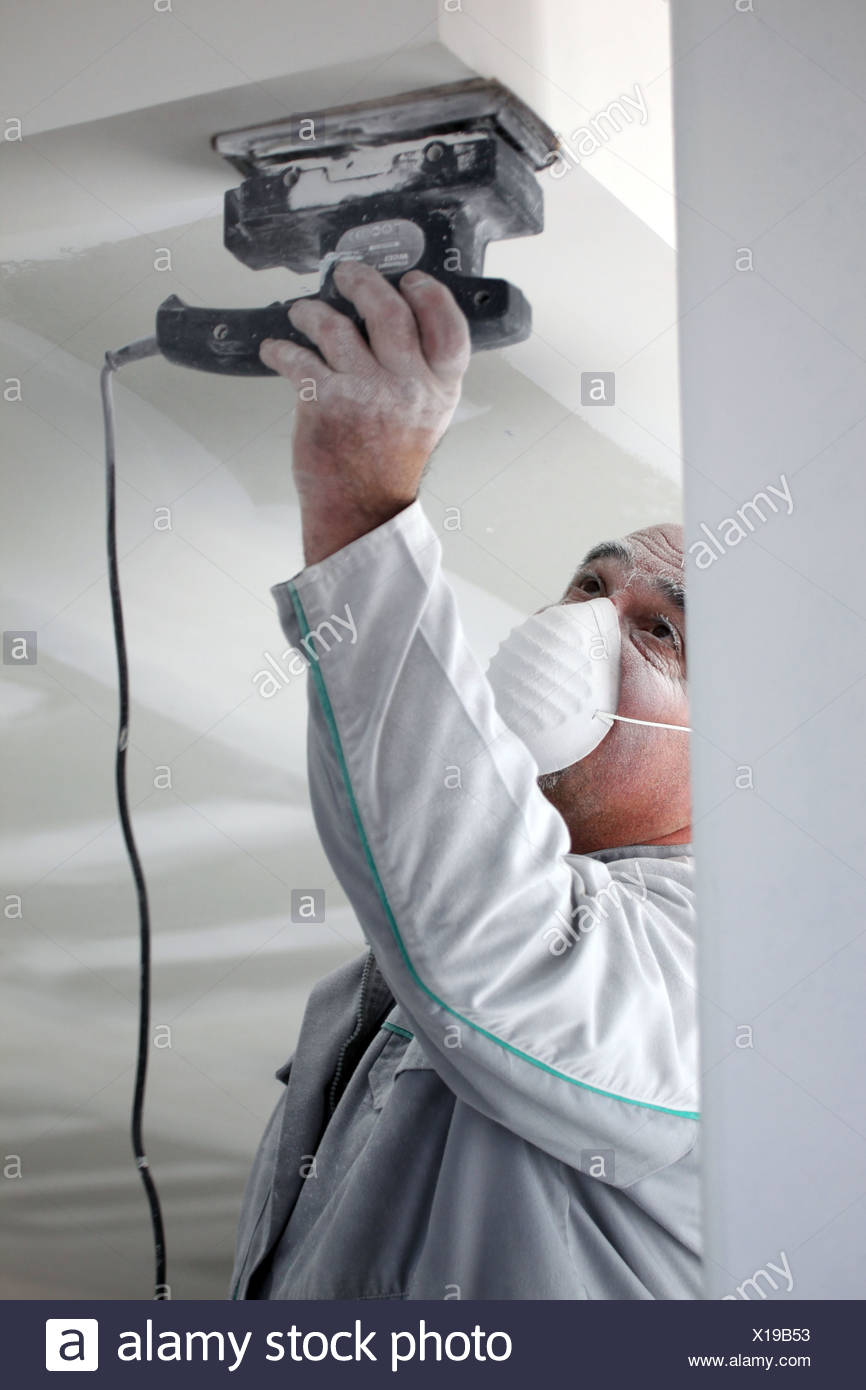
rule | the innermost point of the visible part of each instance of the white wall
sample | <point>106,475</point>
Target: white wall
<point>770,139</point>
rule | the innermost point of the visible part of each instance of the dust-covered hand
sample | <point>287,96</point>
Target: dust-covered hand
<point>368,417</point>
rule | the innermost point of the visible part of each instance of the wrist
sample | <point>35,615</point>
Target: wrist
<point>325,529</point>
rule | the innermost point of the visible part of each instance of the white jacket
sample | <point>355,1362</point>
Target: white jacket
<point>537,1073</point>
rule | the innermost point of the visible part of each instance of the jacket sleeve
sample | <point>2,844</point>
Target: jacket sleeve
<point>551,991</point>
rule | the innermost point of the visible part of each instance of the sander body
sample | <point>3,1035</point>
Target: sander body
<point>420,181</point>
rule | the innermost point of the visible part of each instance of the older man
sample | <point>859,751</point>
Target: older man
<point>499,1098</point>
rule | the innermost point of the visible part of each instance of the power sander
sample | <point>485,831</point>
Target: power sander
<point>425,179</point>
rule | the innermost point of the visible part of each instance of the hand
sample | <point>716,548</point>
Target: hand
<point>368,417</point>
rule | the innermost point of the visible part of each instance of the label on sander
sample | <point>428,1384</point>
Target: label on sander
<point>391,247</point>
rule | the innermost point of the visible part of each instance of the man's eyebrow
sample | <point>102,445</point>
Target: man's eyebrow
<point>620,550</point>
<point>609,550</point>
<point>673,592</point>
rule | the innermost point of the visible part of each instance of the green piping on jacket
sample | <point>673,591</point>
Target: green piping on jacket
<point>395,1028</point>
<point>328,712</point>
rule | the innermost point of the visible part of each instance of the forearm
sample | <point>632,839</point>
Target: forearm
<point>331,518</point>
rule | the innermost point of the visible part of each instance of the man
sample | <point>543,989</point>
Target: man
<point>498,1100</point>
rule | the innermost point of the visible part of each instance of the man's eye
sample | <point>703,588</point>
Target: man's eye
<point>590,584</point>
<point>665,630</point>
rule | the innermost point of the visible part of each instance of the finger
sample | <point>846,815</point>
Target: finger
<point>335,335</point>
<point>389,321</point>
<point>442,326</point>
<point>297,364</point>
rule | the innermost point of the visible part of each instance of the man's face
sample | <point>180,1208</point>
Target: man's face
<point>634,787</point>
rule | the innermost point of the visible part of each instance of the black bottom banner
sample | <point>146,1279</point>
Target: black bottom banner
<point>193,1344</point>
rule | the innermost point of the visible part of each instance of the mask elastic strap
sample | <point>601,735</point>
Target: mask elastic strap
<point>650,723</point>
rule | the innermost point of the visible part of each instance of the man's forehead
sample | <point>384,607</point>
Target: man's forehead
<point>655,548</point>
<point>664,540</point>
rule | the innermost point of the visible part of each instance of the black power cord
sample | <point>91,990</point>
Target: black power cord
<point>133,352</point>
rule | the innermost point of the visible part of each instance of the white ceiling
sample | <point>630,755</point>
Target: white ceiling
<point>115,163</point>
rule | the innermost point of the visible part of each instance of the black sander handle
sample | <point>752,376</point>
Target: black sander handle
<point>227,340</point>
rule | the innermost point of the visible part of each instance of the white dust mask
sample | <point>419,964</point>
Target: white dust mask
<point>551,675</point>
<point>556,679</point>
